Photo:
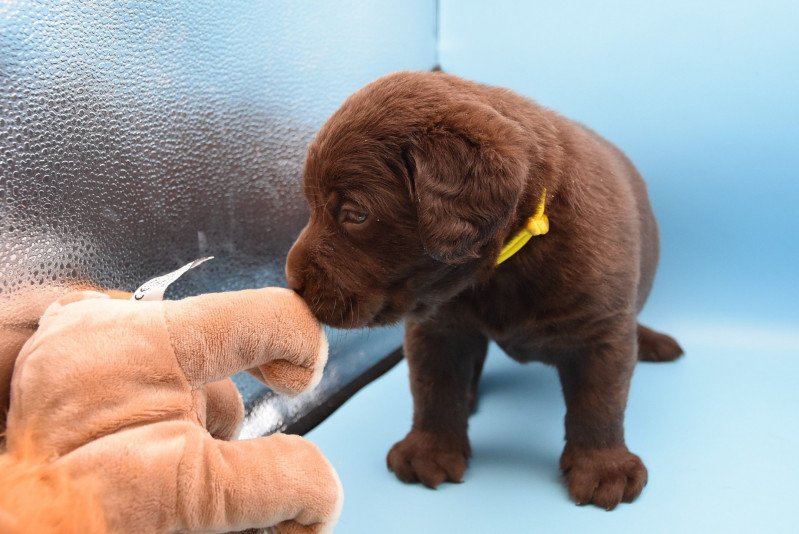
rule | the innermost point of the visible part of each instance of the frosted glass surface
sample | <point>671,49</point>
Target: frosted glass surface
<point>136,137</point>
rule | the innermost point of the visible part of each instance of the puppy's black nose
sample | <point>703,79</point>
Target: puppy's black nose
<point>296,263</point>
<point>294,278</point>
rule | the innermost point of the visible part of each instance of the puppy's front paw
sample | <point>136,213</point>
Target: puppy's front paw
<point>429,458</point>
<point>604,477</point>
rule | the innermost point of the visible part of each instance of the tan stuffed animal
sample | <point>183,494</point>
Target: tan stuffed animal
<point>119,411</point>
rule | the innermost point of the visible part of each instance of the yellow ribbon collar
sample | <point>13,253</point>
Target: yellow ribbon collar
<point>538,224</point>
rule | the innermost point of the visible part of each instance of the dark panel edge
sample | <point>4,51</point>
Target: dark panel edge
<point>310,420</point>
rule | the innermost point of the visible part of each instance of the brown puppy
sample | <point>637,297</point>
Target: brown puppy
<point>415,184</point>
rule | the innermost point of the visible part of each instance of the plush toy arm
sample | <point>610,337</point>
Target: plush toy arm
<point>257,483</point>
<point>269,331</point>
<point>19,319</point>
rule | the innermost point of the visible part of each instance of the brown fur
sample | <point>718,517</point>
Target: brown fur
<point>445,171</point>
<point>39,495</point>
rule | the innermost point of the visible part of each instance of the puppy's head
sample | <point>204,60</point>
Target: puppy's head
<point>408,185</point>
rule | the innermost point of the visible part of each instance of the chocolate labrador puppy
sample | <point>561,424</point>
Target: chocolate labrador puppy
<point>418,185</point>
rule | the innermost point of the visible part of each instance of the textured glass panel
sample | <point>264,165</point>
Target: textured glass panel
<point>135,137</point>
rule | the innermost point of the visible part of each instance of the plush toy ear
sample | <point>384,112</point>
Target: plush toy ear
<point>469,172</point>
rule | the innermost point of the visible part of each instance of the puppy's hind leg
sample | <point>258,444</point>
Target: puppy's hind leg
<point>478,372</point>
<point>656,347</point>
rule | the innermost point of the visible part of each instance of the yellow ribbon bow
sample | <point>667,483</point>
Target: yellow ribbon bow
<point>538,224</point>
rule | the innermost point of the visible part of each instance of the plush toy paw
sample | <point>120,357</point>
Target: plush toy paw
<point>272,326</point>
<point>429,458</point>
<point>292,527</point>
<point>304,353</point>
<point>289,378</point>
<point>318,504</point>
<point>604,477</point>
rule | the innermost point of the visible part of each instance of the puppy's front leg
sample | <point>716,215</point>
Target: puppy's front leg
<point>442,362</point>
<point>598,467</point>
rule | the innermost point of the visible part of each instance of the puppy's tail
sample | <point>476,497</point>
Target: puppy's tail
<point>656,347</point>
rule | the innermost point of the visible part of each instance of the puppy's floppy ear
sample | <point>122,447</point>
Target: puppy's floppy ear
<point>469,173</point>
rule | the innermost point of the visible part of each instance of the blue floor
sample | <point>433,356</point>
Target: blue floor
<point>718,431</point>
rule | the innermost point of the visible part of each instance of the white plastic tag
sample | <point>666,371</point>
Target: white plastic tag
<point>154,289</point>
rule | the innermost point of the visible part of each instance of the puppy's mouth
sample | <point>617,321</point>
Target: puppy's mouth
<point>342,311</point>
<point>354,312</point>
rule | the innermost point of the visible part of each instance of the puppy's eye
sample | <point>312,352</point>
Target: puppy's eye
<point>350,216</point>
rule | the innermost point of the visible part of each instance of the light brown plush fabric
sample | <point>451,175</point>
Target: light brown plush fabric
<point>19,318</point>
<point>117,394</point>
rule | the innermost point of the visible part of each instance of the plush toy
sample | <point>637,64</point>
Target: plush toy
<point>19,317</point>
<point>120,411</point>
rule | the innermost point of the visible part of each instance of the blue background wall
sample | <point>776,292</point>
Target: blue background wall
<point>703,96</point>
